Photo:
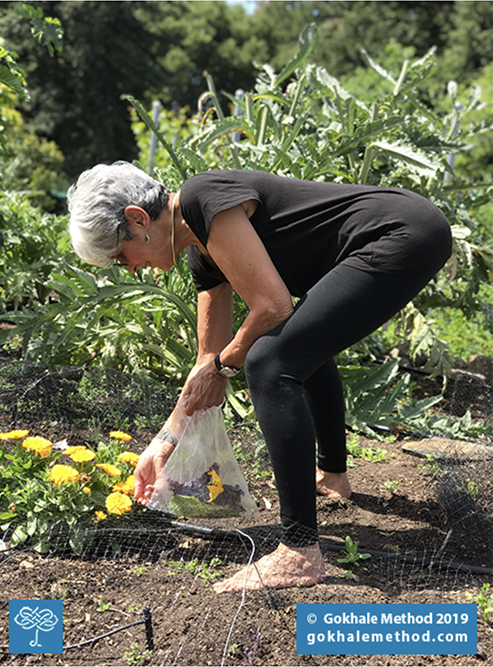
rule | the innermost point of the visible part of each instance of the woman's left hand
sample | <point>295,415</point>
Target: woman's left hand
<point>204,389</point>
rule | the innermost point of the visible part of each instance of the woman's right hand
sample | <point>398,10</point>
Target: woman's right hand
<point>151,462</point>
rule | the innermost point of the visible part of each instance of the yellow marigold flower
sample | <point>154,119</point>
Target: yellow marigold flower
<point>74,448</point>
<point>100,515</point>
<point>13,435</point>
<point>82,455</point>
<point>61,474</point>
<point>38,445</point>
<point>118,503</point>
<point>120,435</point>
<point>109,469</point>
<point>86,490</point>
<point>215,485</point>
<point>129,457</point>
<point>127,486</point>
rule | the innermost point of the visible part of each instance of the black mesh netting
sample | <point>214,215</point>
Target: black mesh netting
<point>426,520</point>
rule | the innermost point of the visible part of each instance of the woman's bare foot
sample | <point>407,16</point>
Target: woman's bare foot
<point>283,568</point>
<point>332,484</point>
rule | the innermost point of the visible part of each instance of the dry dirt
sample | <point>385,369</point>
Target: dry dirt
<point>428,545</point>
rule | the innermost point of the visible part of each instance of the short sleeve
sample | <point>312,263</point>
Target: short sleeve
<point>205,195</point>
<point>204,275</point>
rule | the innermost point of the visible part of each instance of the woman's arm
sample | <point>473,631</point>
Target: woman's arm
<point>236,248</point>
<point>239,252</point>
<point>214,322</point>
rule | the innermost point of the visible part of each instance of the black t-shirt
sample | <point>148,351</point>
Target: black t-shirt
<point>308,227</point>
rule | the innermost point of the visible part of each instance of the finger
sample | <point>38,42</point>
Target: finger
<point>137,489</point>
<point>149,491</point>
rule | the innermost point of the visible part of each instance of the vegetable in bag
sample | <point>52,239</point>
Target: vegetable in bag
<point>202,478</point>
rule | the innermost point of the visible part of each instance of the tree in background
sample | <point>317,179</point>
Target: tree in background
<point>190,37</point>
<point>160,50</point>
<point>75,96</point>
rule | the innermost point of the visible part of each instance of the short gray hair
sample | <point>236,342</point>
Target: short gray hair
<point>97,204</point>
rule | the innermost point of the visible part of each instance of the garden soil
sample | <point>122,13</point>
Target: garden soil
<point>419,548</point>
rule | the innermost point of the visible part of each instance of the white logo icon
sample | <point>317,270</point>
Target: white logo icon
<point>41,619</point>
<point>311,618</point>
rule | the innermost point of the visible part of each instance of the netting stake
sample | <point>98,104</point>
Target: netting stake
<point>148,627</point>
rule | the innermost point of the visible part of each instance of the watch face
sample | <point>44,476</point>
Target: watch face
<point>227,372</point>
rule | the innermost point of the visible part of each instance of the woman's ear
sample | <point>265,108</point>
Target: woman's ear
<point>137,218</point>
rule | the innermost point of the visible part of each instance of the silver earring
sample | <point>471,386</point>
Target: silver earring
<point>147,239</point>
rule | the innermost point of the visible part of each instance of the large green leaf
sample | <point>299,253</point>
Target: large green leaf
<point>307,44</point>
<point>412,157</point>
<point>153,127</point>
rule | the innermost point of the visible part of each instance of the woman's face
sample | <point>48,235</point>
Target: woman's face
<point>137,253</point>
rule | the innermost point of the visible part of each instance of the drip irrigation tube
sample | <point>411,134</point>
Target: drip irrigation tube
<point>213,533</point>
<point>429,562</point>
<point>147,620</point>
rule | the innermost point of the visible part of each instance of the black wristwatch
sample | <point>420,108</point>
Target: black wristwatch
<point>225,371</point>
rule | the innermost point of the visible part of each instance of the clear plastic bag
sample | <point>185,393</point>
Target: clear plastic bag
<point>202,477</point>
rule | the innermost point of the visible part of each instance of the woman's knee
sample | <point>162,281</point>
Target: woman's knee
<point>263,362</point>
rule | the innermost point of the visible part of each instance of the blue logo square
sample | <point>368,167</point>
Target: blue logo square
<point>35,626</point>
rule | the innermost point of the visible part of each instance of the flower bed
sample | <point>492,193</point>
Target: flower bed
<point>50,489</point>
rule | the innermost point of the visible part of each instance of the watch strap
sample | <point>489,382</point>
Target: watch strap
<point>220,367</point>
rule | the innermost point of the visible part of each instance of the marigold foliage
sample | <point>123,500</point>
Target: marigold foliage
<point>118,503</point>
<point>38,445</point>
<point>72,492</point>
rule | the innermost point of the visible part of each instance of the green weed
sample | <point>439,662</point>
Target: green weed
<point>137,657</point>
<point>484,603</point>
<point>351,555</point>
<point>103,606</point>
<point>205,571</point>
<point>365,453</point>
<point>390,485</point>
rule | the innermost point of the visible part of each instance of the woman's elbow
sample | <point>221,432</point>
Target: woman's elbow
<point>277,313</point>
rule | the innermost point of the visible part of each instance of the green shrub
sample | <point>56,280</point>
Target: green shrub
<point>32,245</point>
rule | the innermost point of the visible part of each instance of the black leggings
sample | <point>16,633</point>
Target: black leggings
<point>296,388</point>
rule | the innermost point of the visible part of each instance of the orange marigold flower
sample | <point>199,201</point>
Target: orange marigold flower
<point>127,486</point>
<point>109,469</point>
<point>38,445</point>
<point>61,474</point>
<point>118,503</point>
<point>101,516</point>
<point>129,457</point>
<point>82,455</point>
<point>13,435</point>
<point>120,435</point>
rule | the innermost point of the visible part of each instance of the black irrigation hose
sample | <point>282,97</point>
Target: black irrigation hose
<point>147,620</point>
<point>213,533</point>
<point>430,562</point>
